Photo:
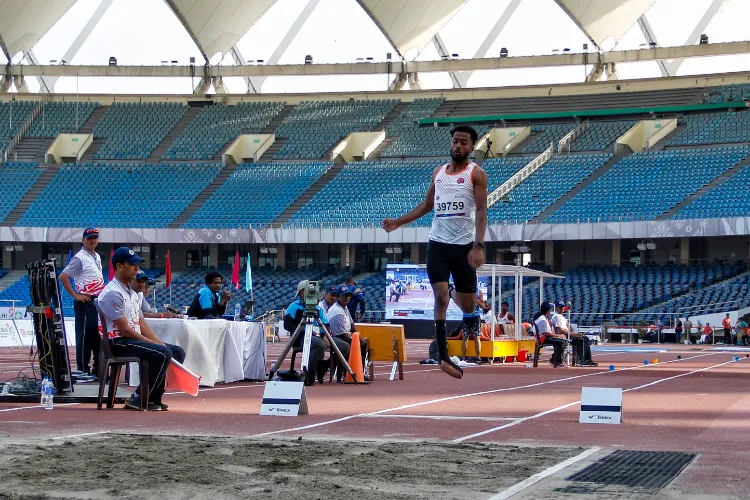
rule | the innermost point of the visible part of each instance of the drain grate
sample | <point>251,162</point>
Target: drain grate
<point>636,469</point>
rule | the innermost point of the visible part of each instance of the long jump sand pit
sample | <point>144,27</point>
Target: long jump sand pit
<point>175,467</point>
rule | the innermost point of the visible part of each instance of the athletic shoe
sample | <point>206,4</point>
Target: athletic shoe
<point>163,406</point>
<point>589,363</point>
<point>451,369</point>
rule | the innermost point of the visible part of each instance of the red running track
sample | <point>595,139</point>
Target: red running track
<point>695,404</point>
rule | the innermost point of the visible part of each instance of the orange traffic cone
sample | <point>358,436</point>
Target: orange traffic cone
<point>355,361</point>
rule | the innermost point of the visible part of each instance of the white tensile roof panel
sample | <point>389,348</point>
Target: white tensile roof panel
<point>216,25</point>
<point>24,22</point>
<point>601,19</point>
<point>410,24</point>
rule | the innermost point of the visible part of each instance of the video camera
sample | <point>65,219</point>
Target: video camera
<point>311,297</point>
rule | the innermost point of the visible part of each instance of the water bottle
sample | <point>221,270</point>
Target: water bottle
<point>50,395</point>
<point>43,391</point>
<point>237,311</point>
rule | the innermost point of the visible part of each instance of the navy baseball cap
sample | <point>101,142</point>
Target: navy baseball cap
<point>344,290</point>
<point>141,275</point>
<point>333,290</point>
<point>90,232</point>
<point>125,254</point>
<point>559,303</point>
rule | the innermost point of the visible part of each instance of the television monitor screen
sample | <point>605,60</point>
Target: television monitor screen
<point>408,294</point>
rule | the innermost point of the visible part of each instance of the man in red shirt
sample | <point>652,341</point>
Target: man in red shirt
<point>727,330</point>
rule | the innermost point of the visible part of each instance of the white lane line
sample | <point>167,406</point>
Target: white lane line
<point>85,434</point>
<point>518,487</point>
<point>37,406</point>
<point>460,396</point>
<point>553,410</point>
<point>441,417</point>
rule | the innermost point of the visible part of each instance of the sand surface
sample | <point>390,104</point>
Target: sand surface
<point>166,467</point>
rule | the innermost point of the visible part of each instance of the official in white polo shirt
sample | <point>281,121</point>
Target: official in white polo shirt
<point>86,269</point>
<point>129,333</point>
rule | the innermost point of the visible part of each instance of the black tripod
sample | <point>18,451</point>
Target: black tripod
<point>307,323</point>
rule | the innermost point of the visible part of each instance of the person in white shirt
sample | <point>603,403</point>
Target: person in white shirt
<point>128,332</point>
<point>330,298</point>
<point>342,325</point>
<point>547,336</point>
<point>86,270</point>
<point>581,342</point>
<point>505,317</point>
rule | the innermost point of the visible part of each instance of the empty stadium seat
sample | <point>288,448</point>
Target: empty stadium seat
<point>545,186</point>
<point>714,128</point>
<point>645,185</point>
<point>12,117</point>
<point>313,127</point>
<point>133,129</point>
<point>544,135</point>
<point>725,200</point>
<point>601,135</point>
<point>17,177</point>
<point>60,118</point>
<point>217,125</point>
<point>255,194</point>
<point>118,195</point>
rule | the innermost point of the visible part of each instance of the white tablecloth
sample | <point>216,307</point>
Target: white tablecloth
<point>216,349</point>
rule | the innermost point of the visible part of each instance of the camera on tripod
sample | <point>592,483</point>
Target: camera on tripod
<point>311,297</point>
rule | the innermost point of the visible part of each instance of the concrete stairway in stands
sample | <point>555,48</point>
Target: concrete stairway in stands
<point>307,195</point>
<point>87,128</point>
<point>32,149</point>
<point>203,196</point>
<point>160,150</point>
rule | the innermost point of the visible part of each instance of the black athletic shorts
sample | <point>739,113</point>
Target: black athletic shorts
<point>444,260</point>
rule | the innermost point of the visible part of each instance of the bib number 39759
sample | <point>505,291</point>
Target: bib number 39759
<point>449,208</point>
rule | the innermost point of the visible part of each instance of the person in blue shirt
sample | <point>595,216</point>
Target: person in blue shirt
<point>210,301</point>
<point>358,299</point>
<point>318,343</point>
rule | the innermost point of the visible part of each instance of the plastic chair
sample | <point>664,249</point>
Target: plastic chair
<point>108,361</point>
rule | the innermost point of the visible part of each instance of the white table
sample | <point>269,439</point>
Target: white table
<point>216,349</point>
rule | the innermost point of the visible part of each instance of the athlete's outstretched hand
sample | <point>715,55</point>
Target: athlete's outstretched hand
<point>476,257</point>
<point>389,225</point>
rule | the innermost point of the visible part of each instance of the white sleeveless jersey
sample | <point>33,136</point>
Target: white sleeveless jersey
<point>91,280</point>
<point>455,207</point>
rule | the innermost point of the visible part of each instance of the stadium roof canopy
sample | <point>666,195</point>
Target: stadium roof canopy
<point>415,30</point>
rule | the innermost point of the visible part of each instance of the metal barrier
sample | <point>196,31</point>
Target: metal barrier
<point>565,143</point>
<point>519,176</point>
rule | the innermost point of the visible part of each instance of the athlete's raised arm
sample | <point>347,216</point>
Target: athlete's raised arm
<point>420,210</point>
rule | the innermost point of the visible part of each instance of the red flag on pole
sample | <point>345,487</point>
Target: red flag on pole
<point>168,276</point>
<point>111,266</point>
<point>236,270</point>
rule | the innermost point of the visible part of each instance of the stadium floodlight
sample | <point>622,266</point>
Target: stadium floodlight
<point>192,60</point>
<point>704,39</point>
<point>503,52</point>
<point>388,250</point>
<point>397,249</point>
<point>308,59</point>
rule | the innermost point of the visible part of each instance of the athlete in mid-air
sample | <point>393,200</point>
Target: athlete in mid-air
<point>458,195</point>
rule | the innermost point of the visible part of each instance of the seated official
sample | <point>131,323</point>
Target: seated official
<point>208,302</point>
<point>140,285</point>
<point>330,298</point>
<point>129,333</point>
<point>581,343</point>
<point>318,344</point>
<point>342,327</point>
<point>547,336</point>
